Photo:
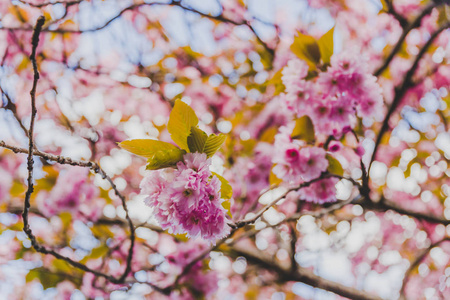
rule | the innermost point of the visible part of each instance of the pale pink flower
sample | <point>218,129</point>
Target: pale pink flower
<point>320,192</point>
<point>70,191</point>
<point>295,71</point>
<point>312,162</point>
<point>187,199</point>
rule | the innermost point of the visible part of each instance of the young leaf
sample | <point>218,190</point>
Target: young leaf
<point>306,48</point>
<point>225,190</point>
<point>181,119</point>
<point>145,147</point>
<point>46,278</point>
<point>334,166</point>
<point>165,159</point>
<point>181,237</point>
<point>326,46</point>
<point>227,206</point>
<point>268,135</point>
<point>196,140</point>
<point>277,82</point>
<point>213,143</point>
<point>273,179</point>
<point>304,129</point>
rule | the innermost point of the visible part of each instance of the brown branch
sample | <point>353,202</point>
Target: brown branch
<point>11,106</point>
<point>414,24</point>
<point>302,275</point>
<point>69,3</point>
<point>385,205</point>
<point>391,10</point>
<point>326,210</point>
<point>30,161</point>
<point>220,18</point>
<point>97,169</point>
<point>316,214</point>
<point>200,257</point>
<point>293,243</point>
<point>415,263</point>
<point>253,219</point>
<point>403,88</point>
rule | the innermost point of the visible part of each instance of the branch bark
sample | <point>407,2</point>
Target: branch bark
<point>415,263</point>
<point>30,187</point>
<point>398,45</point>
<point>302,275</point>
<point>403,88</point>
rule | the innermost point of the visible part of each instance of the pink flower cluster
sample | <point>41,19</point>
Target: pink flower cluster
<point>197,282</point>
<point>72,193</point>
<point>187,199</point>
<point>346,90</point>
<point>320,191</point>
<point>297,163</point>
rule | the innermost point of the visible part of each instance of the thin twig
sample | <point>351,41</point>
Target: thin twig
<point>51,3</point>
<point>301,275</point>
<point>398,45</point>
<point>253,219</point>
<point>402,89</point>
<point>30,162</point>
<point>200,257</point>
<point>293,244</point>
<point>11,106</point>
<point>384,205</point>
<point>97,169</point>
<point>415,263</point>
<point>220,18</point>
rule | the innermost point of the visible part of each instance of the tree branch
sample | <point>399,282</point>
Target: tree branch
<point>220,18</point>
<point>385,205</point>
<point>412,25</point>
<point>415,263</point>
<point>30,161</point>
<point>68,3</point>
<point>303,275</point>
<point>97,169</point>
<point>253,219</point>
<point>401,91</point>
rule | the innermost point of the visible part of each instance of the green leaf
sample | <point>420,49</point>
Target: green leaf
<point>334,166</point>
<point>277,82</point>
<point>326,46</point>
<point>47,278</point>
<point>146,147</point>
<point>268,135</point>
<point>181,237</point>
<point>66,219</point>
<point>164,159</point>
<point>99,252</point>
<point>273,179</point>
<point>196,140</point>
<point>385,5</point>
<point>227,206</point>
<point>303,130</point>
<point>213,143</point>
<point>306,48</point>
<point>225,190</point>
<point>182,119</point>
